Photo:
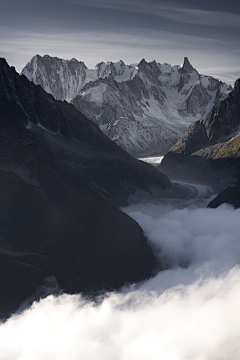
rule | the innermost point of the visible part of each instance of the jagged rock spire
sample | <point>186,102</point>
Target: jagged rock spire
<point>187,65</point>
<point>237,86</point>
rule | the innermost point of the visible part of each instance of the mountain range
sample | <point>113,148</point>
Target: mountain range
<point>145,108</point>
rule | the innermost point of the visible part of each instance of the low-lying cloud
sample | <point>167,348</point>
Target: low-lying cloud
<point>183,313</point>
<point>192,236</point>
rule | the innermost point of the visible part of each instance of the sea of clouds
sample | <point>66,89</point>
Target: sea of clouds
<point>188,312</point>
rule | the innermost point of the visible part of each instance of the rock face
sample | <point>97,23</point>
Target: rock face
<point>231,195</point>
<point>60,179</point>
<point>64,79</point>
<point>145,108</point>
<point>210,149</point>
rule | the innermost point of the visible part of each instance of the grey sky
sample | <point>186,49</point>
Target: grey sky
<point>208,32</point>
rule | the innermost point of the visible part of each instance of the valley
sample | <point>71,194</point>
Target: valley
<point>87,227</point>
<point>119,180</point>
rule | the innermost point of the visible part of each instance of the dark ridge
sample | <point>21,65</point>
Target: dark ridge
<point>60,182</point>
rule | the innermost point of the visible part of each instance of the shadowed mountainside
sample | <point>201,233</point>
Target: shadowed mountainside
<point>60,181</point>
<point>209,151</point>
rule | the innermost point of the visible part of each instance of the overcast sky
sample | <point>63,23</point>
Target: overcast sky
<point>206,31</point>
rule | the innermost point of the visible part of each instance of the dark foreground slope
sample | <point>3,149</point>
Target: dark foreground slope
<point>59,180</point>
<point>210,149</point>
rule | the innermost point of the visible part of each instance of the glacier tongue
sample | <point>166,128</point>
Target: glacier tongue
<point>145,108</point>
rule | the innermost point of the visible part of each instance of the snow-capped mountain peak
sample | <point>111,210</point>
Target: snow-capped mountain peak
<point>144,107</point>
<point>118,70</point>
<point>61,78</point>
<point>64,79</point>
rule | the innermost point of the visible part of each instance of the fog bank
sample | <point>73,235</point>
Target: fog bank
<point>188,312</point>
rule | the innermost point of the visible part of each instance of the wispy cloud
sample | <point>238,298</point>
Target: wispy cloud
<point>201,17</point>
<point>168,10</point>
<point>162,30</point>
<point>130,46</point>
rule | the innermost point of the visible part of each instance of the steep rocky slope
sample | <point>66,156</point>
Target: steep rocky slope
<point>231,195</point>
<point>210,149</point>
<point>60,176</point>
<point>145,108</point>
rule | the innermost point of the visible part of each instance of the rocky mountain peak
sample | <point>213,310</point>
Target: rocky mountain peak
<point>187,65</point>
<point>142,64</point>
<point>3,63</point>
<point>149,68</point>
<point>75,60</point>
<point>6,79</point>
<point>237,86</point>
<point>110,69</point>
<point>59,77</point>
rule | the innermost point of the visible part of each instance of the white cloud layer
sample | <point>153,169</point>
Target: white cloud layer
<point>189,313</point>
